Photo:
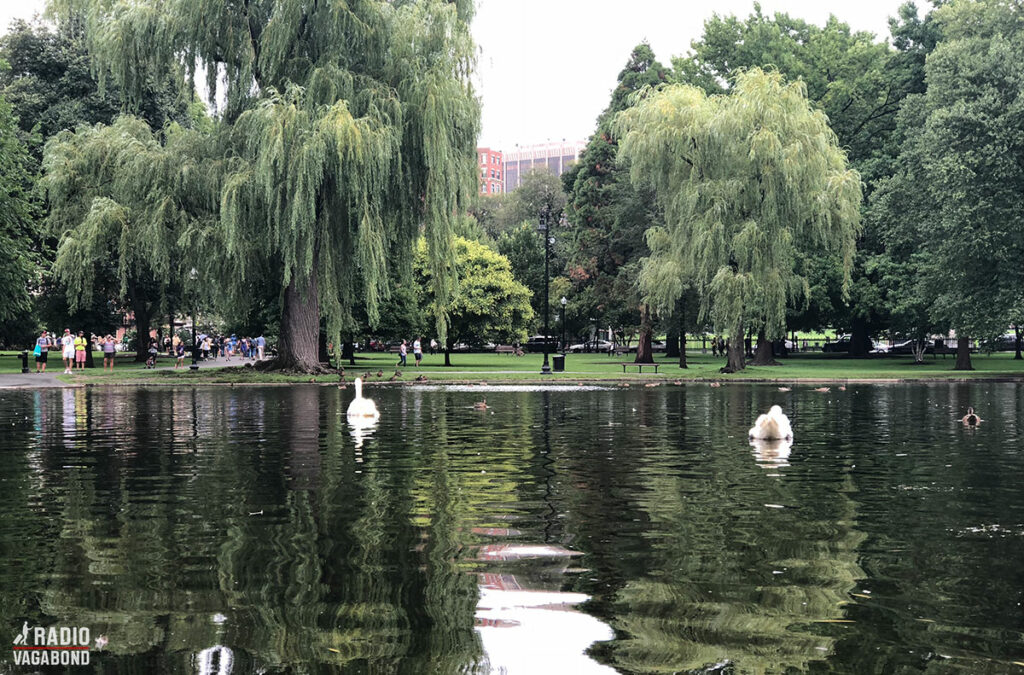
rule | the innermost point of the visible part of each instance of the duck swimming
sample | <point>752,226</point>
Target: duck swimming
<point>773,426</point>
<point>971,419</point>
<point>362,408</point>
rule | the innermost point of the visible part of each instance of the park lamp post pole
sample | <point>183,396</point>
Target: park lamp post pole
<point>544,227</point>
<point>195,345</point>
<point>564,303</point>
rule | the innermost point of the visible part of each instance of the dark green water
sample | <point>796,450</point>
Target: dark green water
<point>248,530</point>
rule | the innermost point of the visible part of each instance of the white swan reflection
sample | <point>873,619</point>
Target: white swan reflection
<point>771,454</point>
<point>361,429</point>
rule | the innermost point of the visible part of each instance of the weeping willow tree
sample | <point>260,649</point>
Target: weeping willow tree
<point>742,177</point>
<point>350,124</point>
<point>120,200</point>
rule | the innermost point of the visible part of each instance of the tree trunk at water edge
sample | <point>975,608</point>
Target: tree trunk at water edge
<point>735,361</point>
<point>644,347</point>
<point>1017,330</point>
<point>963,354</point>
<point>860,341</point>
<point>298,348</point>
<point>764,355</point>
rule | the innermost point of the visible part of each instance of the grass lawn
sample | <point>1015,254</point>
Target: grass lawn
<point>502,367</point>
<point>10,362</point>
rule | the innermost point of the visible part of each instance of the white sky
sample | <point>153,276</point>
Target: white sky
<point>547,67</point>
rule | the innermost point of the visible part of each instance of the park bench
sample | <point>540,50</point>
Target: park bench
<point>394,349</point>
<point>508,349</point>
<point>640,366</point>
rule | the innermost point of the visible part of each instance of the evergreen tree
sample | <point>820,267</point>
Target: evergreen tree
<point>349,127</point>
<point>17,223</point>
<point>608,216</point>
<point>742,178</point>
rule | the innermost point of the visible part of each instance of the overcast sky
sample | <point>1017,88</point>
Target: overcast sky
<point>547,67</point>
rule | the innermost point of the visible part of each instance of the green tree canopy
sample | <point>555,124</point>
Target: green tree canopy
<point>742,177</point>
<point>489,305</point>
<point>351,130</point>
<point>17,219</point>
<point>960,175</point>
<point>119,199</point>
<point>608,215</point>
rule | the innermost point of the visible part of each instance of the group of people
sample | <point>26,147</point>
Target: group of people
<point>417,350</point>
<point>215,346</point>
<point>74,349</point>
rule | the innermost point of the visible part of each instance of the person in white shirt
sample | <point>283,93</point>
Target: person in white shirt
<point>417,351</point>
<point>68,350</point>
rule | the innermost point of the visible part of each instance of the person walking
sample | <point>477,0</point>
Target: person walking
<point>109,350</point>
<point>179,351</point>
<point>417,351</point>
<point>433,346</point>
<point>403,351</point>
<point>261,347</point>
<point>41,351</point>
<point>68,350</point>
<point>80,345</point>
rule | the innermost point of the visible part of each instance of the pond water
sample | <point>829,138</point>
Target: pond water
<point>252,530</point>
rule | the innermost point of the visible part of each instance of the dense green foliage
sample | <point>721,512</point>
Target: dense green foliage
<point>17,224</point>
<point>608,215</point>
<point>489,305</point>
<point>742,178</point>
<point>347,128</point>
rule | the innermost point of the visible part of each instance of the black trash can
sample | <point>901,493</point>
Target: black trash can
<point>558,363</point>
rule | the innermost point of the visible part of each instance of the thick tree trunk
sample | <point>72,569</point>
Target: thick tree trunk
<point>298,347</point>
<point>764,355</point>
<point>322,352</point>
<point>963,354</point>
<point>448,352</point>
<point>644,348</point>
<point>672,346</point>
<point>1017,330</point>
<point>860,341</point>
<point>348,351</point>
<point>681,307</point>
<point>735,348</point>
<point>748,347</point>
<point>141,332</point>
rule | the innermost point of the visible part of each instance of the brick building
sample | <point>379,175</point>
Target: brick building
<point>490,163</point>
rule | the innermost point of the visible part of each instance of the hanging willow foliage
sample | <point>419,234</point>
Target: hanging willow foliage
<point>350,130</point>
<point>742,177</point>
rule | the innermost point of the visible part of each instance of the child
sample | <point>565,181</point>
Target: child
<point>180,351</point>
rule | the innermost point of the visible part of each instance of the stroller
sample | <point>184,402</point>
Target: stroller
<point>151,361</point>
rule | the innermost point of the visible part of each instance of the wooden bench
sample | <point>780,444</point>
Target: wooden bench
<point>640,366</point>
<point>394,349</point>
<point>508,349</point>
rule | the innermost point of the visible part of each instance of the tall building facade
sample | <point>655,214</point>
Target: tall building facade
<point>555,157</point>
<point>492,171</point>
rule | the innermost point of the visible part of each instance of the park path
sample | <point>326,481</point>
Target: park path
<point>31,381</point>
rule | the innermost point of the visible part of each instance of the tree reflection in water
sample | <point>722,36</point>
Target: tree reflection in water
<point>184,523</point>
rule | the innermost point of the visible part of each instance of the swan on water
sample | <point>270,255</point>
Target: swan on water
<point>773,426</point>
<point>362,408</point>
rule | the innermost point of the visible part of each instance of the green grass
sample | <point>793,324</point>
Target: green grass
<point>10,362</point>
<point>580,367</point>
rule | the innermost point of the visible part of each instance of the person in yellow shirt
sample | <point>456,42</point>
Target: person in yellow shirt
<point>80,346</point>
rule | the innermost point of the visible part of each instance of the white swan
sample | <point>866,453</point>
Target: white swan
<point>362,408</point>
<point>773,426</point>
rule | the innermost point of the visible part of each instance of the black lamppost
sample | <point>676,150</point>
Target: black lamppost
<point>195,345</point>
<point>564,303</point>
<point>545,221</point>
